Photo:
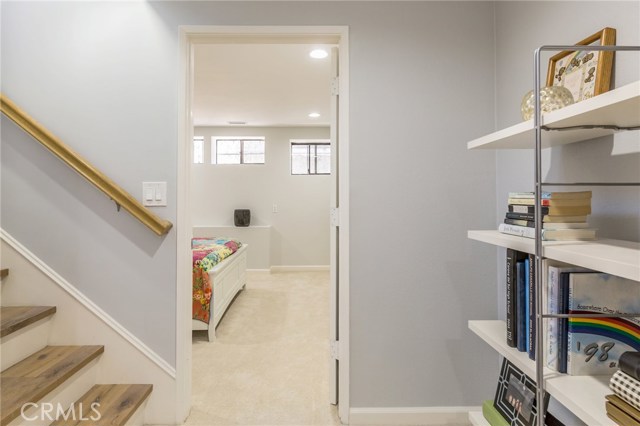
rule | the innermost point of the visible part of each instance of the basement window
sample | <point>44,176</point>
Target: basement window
<point>235,150</point>
<point>198,150</point>
<point>310,157</point>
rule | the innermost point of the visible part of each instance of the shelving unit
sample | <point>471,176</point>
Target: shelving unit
<point>619,107</point>
<point>602,115</point>
<point>583,395</point>
<point>615,257</point>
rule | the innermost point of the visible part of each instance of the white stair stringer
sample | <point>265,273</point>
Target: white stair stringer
<point>78,321</point>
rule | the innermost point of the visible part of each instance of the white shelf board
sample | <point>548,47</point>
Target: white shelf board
<point>582,395</point>
<point>477,419</point>
<point>616,257</point>
<point>620,107</point>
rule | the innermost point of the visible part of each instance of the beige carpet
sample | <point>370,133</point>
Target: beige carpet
<point>269,364</point>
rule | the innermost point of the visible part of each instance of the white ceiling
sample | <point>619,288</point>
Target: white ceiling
<point>260,84</point>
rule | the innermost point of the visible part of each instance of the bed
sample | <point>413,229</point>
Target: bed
<point>219,273</point>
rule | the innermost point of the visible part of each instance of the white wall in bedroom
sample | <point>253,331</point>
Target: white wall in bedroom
<point>300,228</point>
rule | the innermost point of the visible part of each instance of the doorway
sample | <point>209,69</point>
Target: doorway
<point>339,260</point>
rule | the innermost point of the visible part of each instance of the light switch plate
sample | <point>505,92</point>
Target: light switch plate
<point>154,194</point>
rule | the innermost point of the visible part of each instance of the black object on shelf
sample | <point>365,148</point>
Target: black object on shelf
<point>242,217</point>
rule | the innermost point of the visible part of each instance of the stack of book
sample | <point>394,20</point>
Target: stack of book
<point>564,216</point>
<point>623,407</point>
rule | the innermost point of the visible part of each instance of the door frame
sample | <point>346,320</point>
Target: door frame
<point>197,34</point>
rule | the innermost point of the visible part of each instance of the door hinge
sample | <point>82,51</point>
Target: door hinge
<point>335,86</point>
<point>335,349</point>
<point>334,216</point>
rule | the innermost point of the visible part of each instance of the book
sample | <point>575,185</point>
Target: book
<point>595,344</point>
<point>557,195</point>
<point>549,234</point>
<point>620,417</point>
<point>527,304</point>
<point>626,387</point>
<point>556,303</point>
<point>547,218</point>
<point>547,225</point>
<point>557,219</point>
<point>565,225</point>
<point>512,257</point>
<point>492,415</point>
<point>516,398</point>
<point>526,201</point>
<point>519,208</point>
<point>521,336</point>
<point>531,305</point>
<point>569,210</point>
<point>630,364</point>
<point>520,216</point>
<point>564,203</point>
<point>624,406</point>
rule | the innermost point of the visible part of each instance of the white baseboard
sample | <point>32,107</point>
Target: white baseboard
<point>299,268</point>
<point>439,416</point>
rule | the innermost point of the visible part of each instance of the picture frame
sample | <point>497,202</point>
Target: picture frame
<point>586,74</point>
<point>515,397</point>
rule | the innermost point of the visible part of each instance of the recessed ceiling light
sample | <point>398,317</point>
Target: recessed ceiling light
<point>318,54</point>
<point>314,115</point>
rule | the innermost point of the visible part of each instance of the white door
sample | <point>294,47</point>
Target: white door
<point>335,233</point>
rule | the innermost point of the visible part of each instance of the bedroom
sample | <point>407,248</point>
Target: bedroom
<point>258,146</point>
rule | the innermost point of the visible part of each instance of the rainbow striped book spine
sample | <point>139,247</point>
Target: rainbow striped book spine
<point>595,344</point>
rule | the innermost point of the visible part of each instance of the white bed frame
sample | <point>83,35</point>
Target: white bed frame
<point>228,278</point>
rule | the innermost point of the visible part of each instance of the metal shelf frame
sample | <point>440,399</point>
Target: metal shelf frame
<point>539,128</point>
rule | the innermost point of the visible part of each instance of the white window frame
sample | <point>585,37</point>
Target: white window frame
<point>307,142</point>
<point>214,146</point>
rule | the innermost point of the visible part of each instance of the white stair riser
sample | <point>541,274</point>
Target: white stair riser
<point>137,419</point>
<point>62,396</point>
<point>17,346</point>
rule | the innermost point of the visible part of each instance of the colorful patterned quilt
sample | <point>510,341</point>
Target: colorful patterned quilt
<point>207,253</point>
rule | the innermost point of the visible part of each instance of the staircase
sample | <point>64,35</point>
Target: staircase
<point>55,385</point>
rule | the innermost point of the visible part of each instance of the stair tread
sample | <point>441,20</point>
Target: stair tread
<point>35,376</point>
<point>117,405</point>
<point>3,273</point>
<point>13,318</point>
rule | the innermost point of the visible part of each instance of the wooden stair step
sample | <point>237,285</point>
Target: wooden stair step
<point>117,404</point>
<point>13,318</point>
<point>34,377</point>
<point>3,273</point>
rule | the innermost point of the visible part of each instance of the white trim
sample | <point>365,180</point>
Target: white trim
<point>299,268</point>
<point>184,231</point>
<point>92,307</point>
<point>344,404</point>
<point>440,416</point>
<point>197,34</point>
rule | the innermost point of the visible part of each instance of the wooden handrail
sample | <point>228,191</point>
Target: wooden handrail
<point>121,197</point>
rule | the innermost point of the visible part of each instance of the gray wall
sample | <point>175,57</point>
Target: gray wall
<point>609,159</point>
<point>300,228</point>
<point>104,77</point>
<point>613,158</point>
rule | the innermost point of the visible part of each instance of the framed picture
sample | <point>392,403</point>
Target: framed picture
<point>515,396</point>
<point>586,74</point>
